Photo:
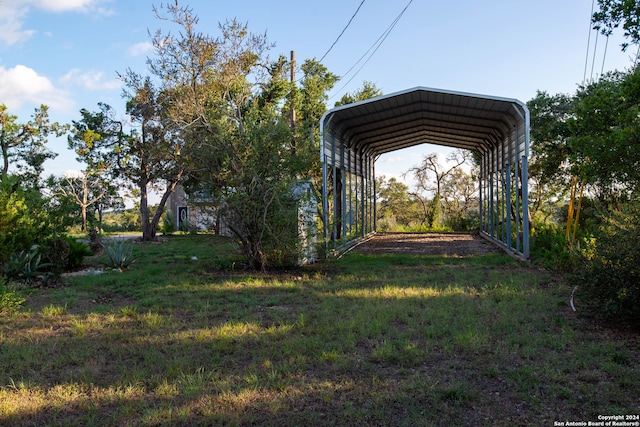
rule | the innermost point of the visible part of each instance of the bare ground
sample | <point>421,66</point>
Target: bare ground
<point>451,244</point>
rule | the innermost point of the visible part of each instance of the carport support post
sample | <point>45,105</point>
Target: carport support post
<point>525,207</point>
<point>362,196</point>
<point>508,195</point>
<point>343,192</point>
<point>325,201</point>
<point>480,188</point>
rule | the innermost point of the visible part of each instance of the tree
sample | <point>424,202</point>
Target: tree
<point>459,191</point>
<point>149,156</point>
<point>23,144</point>
<point>111,200</point>
<point>612,13</point>
<point>158,150</point>
<point>369,90</point>
<point>549,167</point>
<point>605,146</point>
<point>431,176</point>
<point>233,106</point>
<point>84,190</point>
<point>395,202</point>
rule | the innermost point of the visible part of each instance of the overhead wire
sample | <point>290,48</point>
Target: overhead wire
<point>343,30</point>
<point>593,59</point>
<point>586,59</point>
<point>595,49</point>
<point>604,55</point>
<point>375,45</point>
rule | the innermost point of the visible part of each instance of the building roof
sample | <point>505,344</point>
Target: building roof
<point>425,115</point>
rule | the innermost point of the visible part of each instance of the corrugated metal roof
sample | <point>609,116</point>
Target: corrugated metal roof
<point>425,115</point>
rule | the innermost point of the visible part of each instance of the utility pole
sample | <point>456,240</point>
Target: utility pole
<point>293,81</point>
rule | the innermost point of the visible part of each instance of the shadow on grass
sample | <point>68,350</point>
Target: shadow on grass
<point>369,340</point>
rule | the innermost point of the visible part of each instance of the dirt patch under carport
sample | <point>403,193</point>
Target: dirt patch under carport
<point>451,244</point>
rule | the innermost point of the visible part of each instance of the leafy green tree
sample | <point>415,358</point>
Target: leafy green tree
<point>150,156</point>
<point>233,105</point>
<point>367,91</point>
<point>111,199</point>
<point>613,13</point>
<point>605,146</point>
<point>395,203</point>
<point>549,167</point>
<point>24,144</point>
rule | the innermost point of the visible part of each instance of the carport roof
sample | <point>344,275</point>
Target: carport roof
<point>425,115</point>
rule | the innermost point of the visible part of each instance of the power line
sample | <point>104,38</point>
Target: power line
<point>604,55</point>
<point>343,30</point>
<point>586,59</point>
<point>377,45</point>
<point>593,60</point>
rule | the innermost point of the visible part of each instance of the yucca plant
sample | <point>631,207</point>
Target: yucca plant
<point>120,254</point>
<point>25,266</point>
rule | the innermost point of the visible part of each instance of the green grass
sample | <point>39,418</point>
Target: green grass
<point>366,340</point>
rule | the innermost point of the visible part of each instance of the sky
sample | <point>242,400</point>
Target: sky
<point>67,54</point>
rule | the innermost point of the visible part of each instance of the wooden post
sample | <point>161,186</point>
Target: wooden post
<point>293,81</point>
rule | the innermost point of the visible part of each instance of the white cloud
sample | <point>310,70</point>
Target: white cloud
<point>11,31</point>
<point>13,13</point>
<point>396,159</point>
<point>22,85</point>
<point>72,5</point>
<point>72,173</point>
<point>140,49</point>
<point>90,80</point>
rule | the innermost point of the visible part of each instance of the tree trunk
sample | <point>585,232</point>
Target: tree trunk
<point>5,157</point>
<point>148,231</point>
<point>150,224</point>
<point>83,209</point>
<point>84,204</point>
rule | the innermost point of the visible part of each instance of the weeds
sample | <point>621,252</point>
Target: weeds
<point>10,301</point>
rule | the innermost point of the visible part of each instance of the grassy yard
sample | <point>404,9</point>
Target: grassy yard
<point>395,340</point>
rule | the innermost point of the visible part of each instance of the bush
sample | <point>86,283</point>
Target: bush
<point>56,252</point>
<point>463,222</point>
<point>168,224</point>
<point>25,266</point>
<point>610,276</point>
<point>120,254</point>
<point>65,253</point>
<point>19,227</point>
<point>77,251</point>
<point>549,247</point>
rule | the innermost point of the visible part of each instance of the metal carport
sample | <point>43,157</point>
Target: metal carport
<point>355,135</point>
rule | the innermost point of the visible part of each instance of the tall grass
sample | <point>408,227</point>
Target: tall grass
<point>367,340</point>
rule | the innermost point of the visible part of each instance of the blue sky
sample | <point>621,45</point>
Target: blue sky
<point>66,53</point>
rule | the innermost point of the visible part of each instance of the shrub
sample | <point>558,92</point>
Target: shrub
<point>64,253</point>
<point>469,221</point>
<point>77,251</point>
<point>168,223</point>
<point>56,252</point>
<point>549,247</point>
<point>610,276</point>
<point>120,254</point>
<point>19,227</point>
<point>25,266</point>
